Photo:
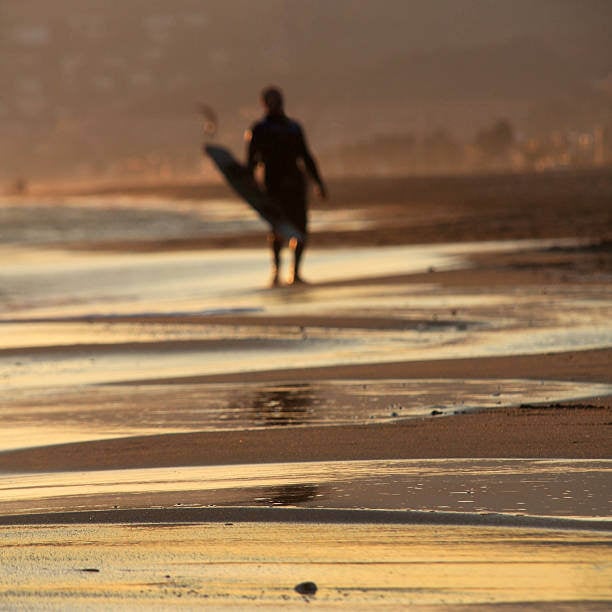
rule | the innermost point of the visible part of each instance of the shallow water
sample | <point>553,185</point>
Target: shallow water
<point>79,318</point>
<point>39,282</point>
<point>42,416</point>
<point>60,220</point>
<point>543,487</point>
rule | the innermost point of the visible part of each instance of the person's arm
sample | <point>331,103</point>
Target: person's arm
<point>252,150</point>
<point>311,166</point>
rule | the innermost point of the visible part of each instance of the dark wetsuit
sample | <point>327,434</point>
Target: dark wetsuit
<point>278,142</point>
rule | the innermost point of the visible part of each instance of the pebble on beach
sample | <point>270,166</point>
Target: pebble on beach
<point>306,588</point>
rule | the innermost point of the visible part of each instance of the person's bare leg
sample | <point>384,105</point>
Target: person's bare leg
<point>277,245</point>
<point>298,250</point>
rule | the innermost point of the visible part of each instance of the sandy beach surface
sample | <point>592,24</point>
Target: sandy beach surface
<point>424,425</point>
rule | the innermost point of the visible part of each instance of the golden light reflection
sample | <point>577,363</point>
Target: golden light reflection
<point>259,564</point>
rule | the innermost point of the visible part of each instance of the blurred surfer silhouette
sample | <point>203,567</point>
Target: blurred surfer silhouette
<point>278,142</point>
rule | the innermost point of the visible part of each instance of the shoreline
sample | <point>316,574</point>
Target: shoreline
<point>571,432</point>
<point>592,365</point>
<point>303,516</point>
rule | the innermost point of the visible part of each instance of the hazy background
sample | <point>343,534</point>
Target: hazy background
<point>98,89</point>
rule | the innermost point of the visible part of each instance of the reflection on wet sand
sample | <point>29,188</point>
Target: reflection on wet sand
<point>155,324</point>
<point>97,283</point>
<point>556,487</point>
<point>51,283</point>
<point>289,405</point>
<point>321,326</point>
<point>40,417</point>
<point>289,495</point>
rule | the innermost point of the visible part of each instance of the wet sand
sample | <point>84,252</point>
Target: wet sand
<point>560,493</point>
<point>357,566</point>
<point>576,431</point>
<point>160,349</point>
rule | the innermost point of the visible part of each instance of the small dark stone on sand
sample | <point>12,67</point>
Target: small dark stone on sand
<point>306,588</point>
<point>436,412</point>
<point>394,414</point>
<point>90,569</point>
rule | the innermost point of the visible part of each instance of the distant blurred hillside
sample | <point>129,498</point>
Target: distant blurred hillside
<point>95,89</point>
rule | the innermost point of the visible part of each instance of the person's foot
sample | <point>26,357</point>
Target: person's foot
<point>296,279</point>
<point>275,278</point>
<point>274,282</point>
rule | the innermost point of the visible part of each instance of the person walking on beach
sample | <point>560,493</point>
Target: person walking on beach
<point>278,142</point>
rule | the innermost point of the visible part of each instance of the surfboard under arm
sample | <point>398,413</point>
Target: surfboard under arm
<point>242,182</point>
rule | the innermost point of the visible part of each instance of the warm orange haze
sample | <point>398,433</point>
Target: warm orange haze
<point>102,89</point>
<point>219,391</point>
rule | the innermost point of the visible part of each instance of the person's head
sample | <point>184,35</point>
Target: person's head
<point>272,99</point>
